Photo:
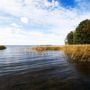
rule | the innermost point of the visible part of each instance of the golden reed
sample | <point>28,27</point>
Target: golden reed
<point>77,53</point>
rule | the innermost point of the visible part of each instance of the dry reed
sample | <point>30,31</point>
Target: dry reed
<point>76,53</point>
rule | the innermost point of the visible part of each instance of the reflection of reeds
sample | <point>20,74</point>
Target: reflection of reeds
<point>75,52</point>
<point>83,68</point>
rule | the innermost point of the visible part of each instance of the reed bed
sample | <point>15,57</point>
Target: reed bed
<point>46,48</point>
<point>76,53</point>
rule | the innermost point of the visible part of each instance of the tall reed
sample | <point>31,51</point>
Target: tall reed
<point>76,53</point>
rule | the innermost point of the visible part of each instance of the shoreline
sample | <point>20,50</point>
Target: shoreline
<point>77,53</point>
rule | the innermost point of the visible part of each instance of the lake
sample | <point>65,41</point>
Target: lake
<point>21,68</point>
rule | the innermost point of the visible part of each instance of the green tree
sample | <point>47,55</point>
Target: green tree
<point>81,35</point>
<point>69,38</point>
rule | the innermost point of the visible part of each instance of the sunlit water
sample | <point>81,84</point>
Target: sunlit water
<point>24,69</point>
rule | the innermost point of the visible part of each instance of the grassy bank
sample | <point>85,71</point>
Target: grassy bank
<point>77,53</point>
<point>2,47</point>
<point>46,48</point>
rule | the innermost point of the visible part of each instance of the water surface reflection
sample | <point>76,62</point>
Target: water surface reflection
<point>24,69</point>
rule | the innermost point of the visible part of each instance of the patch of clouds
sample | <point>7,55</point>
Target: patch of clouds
<point>42,13</point>
<point>14,36</point>
<point>24,20</point>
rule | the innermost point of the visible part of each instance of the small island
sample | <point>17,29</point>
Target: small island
<point>2,47</point>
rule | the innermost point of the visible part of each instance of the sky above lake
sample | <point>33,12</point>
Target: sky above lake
<point>40,22</point>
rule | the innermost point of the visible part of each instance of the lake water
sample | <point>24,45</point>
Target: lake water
<point>24,69</point>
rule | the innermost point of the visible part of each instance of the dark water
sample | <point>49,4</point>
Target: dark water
<point>24,69</point>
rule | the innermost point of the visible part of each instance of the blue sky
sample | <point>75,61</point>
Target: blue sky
<point>39,22</point>
<point>68,3</point>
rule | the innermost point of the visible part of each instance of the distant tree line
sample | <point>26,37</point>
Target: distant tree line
<point>81,35</point>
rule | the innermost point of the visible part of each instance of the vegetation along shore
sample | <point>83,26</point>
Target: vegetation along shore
<point>77,43</point>
<point>77,53</point>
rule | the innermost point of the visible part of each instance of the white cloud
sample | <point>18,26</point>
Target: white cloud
<point>14,25</point>
<point>14,36</point>
<point>51,4</point>
<point>40,12</point>
<point>24,20</point>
